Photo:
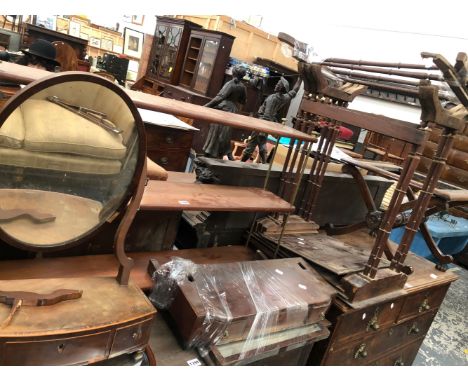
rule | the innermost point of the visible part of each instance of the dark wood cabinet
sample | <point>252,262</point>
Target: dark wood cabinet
<point>34,32</point>
<point>183,54</point>
<point>205,61</point>
<point>168,49</point>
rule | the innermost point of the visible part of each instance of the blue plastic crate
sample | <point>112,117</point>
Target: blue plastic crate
<point>450,233</point>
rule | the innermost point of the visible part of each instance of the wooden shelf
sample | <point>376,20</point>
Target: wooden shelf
<point>172,196</point>
<point>25,75</point>
<point>107,265</point>
<point>188,71</point>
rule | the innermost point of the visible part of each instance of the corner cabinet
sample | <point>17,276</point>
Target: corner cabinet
<point>205,61</point>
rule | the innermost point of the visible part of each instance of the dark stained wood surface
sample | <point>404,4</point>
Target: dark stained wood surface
<point>291,292</point>
<point>25,75</point>
<point>107,265</point>
<point>327,252</point>
<point>171,196</point>
<point>395,128</point>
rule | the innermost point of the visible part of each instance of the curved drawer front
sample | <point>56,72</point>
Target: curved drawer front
<point>131,338</point>
<point>62,351</point>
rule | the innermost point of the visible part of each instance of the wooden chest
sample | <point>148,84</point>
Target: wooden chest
<point>226,303</point>
<point>107,321</point>
<point>386,332</point>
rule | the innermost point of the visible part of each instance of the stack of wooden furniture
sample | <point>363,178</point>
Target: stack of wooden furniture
<point>388,304</point>
<point>175,194</point>
<point>384,307</point>
<point>267,312</point>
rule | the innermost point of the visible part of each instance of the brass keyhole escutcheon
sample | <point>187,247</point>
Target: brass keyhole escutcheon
<point>361,352</point>
<point>169,140</point>
<point>60,348</point>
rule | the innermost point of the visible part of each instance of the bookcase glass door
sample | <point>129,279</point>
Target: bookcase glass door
<point>167,40</point>
<point>206,65</point>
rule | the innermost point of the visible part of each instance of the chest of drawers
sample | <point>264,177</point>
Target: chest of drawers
<point>107,321</point>
<point>168,147</point>
<point>387,332</point>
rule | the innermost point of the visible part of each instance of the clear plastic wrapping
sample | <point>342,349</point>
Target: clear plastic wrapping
<point>165,280</point>
<point>246,302</point>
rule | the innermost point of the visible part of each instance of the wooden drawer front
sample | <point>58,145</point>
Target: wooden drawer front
<point>170,160</point>
<point>401,357</point>
<point>376,345</point>
<point>159,138</point>
<point>368,320</point>
<point>64,351</point>
<point>131,337</point>
<point>238,330</point>
<point>422,302</point>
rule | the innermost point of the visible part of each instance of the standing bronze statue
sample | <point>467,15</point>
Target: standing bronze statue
<point>233,93</point>
<point>268,111</point>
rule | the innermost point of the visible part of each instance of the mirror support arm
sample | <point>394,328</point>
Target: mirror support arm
<point>126,263</point>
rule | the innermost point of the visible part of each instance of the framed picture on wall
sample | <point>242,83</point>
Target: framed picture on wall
<point>63,25</point>
<point>94,42</point>
<point>49,22</point>
<point>106,44</point>
<point>74,29</point>
<point>138,20</point>
<point>133,43</point>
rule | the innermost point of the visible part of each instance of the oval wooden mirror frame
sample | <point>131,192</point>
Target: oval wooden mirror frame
<point>130,201</point>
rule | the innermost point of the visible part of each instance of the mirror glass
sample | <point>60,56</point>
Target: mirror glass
<point>68,154</point>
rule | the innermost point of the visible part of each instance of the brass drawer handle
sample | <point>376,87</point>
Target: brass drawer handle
<point>374,321</point>
<point>361,352</point>
<point>164,160</point>
<point>424,306</point>
<point>414,329</point>
<point>399,362</point>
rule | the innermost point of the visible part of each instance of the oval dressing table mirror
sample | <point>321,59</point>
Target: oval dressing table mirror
<point>72,158</point>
